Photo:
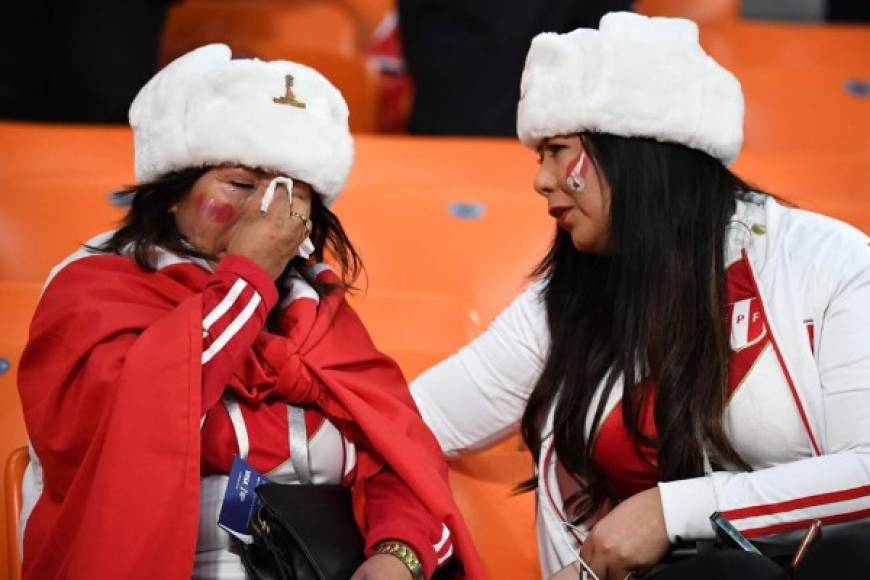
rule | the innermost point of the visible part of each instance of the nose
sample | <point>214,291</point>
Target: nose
<point>545,182</point>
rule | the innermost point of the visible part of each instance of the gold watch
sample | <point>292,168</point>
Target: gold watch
<point>404,553</point>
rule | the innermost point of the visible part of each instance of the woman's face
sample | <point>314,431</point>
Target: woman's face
<point>207,214</point>
<point>577,198</point>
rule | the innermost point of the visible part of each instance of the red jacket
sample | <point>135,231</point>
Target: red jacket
<point>122,364</point>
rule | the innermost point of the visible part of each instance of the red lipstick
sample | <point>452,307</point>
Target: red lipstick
<point>560,212</point>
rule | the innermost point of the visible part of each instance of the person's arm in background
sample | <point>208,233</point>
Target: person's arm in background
<point>477,396</point>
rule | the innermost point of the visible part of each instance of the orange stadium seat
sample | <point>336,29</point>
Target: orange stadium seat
<point>784,104</point>
<point>38,151</point>
<point>13,475</point>
<point>320,34</point>
<point>795,80</point>
<point>352,74</point>
<point>449,228</point>
<point>17,303</point>
<point>832,183</point>
<point>45,220</point>
<point>706,12</point>
<point>319,26</point>
<point>502,523</point>
<point>369,13</point>
<point>766,44</point>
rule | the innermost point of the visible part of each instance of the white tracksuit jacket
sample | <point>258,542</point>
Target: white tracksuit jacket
<point>800,417</point>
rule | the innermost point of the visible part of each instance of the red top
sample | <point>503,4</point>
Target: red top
<point>630,472</point>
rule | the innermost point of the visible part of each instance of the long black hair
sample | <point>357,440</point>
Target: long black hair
<point>150,224</point>
<point>651,310</point>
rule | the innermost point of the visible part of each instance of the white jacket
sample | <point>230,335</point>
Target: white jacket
<point>800,417</point>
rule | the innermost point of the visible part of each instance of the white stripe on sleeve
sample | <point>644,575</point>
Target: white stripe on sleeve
<point>446,556</point>
<point>445,535</point>
<point>232,329</point>
<point>224,305</point>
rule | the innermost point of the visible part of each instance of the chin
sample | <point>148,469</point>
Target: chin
<point>587,246</point>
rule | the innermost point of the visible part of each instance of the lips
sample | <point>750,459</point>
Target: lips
<point>559,212</point>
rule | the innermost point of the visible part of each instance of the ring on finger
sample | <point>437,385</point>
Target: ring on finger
<point>306,223</point>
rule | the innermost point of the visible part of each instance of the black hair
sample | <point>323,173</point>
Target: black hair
<point>652,311</point>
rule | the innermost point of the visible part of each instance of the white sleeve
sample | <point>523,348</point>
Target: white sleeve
<point>834,487</point>
<point>478,395</point>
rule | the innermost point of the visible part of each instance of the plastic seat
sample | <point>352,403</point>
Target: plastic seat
<point>739,43</point>
<point>832,183</point>
<point>40,151</point>
<point>17,303</point>
<point>352,74</point>
<point>501,522</point>
<point>706,12</point>
<point>783,111</point>
<point>449,217</point>
<point>312,25</point>
<point>369,13</point>
<point>417,329</point>
<point>13,476</point>
<point>46,220</point>
<point>795,79</point>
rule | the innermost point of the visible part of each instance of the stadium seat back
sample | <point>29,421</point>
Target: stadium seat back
<point>319,26</point>
<point>17,303</point>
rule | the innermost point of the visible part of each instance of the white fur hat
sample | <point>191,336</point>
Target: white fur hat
<point>206,109</point>
<point>635,77</point>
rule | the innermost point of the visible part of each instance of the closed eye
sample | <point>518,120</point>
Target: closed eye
<point>551,150</point>
<point>242,185</point>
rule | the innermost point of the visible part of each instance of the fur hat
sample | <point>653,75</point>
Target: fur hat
<point>636,77</point>
<point>206,109</point>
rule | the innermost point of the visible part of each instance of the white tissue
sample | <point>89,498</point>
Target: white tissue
<point>306,248</point>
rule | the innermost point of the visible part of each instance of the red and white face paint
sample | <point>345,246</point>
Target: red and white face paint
<point>576,173</point>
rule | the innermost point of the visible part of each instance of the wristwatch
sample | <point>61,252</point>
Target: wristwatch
<point>404,553</point>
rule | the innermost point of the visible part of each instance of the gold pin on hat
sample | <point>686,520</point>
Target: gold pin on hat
<point>289,98</point>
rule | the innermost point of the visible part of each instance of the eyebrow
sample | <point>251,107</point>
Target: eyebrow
<point>258,173</point>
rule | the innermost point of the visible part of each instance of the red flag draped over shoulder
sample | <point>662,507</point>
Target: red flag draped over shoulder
<point>111,387</point>
<point>366,391</point>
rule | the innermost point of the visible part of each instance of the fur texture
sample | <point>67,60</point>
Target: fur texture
<point>206,109</point>
<point>635,77</point>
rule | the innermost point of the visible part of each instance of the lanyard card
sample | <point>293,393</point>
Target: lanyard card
<point>240,500</point>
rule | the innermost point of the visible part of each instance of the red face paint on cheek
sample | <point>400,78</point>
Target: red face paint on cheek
<point>223,212</point>
<point>218,211</point>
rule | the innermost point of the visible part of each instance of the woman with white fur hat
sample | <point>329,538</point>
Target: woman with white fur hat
<point>690,346</point>
<point>200,330</point>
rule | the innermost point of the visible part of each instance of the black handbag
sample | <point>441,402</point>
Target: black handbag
<point>300,531</point>
<point>303,532</point>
